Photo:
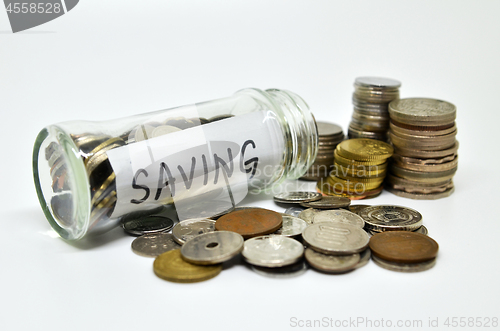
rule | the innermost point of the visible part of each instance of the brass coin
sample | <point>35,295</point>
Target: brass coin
<point>350,162</point>
<point>170,266</point>
<point>364,149</point>
<point>403,246</point>
<point>251,222</point>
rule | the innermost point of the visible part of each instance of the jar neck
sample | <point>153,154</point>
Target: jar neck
<point>299,129</point>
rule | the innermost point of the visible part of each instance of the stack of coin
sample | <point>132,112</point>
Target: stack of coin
<point>371,98</point>
<point>360,169</point>
<point>425,159</point>
<point>329,136</point>
<point>391,218</point>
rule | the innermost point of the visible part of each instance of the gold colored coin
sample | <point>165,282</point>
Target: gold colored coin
<point>170,266</point>
<point>346,161</point>
<point>353,185</point>
<point>365,149</point>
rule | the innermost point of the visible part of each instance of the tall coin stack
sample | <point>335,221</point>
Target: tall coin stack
<point>330,135</point>
<point>360,169</point>
<point>425,158</point>
<point>370,99</point>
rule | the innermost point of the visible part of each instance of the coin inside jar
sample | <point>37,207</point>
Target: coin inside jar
<point>212,248</point>
<point>187,229</point>
<point>272,251</point>
<point>147,224</point>
<point>152,245</point>
<point>328,202</point>
<point>403,246</point>
<point>250,222</point>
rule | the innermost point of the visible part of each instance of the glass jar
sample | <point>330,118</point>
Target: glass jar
<point>202,159</point>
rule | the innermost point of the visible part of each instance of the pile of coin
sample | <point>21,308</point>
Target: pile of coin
<point>371,97</point>
<point>329,136</point>
<point>423,133</point>
<point>360,169</point>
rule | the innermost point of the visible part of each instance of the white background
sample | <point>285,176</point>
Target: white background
<point>108,59</point>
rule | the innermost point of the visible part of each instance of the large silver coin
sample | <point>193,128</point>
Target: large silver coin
<point>422,111</point>
<point>272,251</point>
<point>339,216</point>
<point>288,271</point>
<point>152,245</point>
<point>391,218</point>
<point>308,215</point>
<point>187,229</point>
<point>294,211</point>
<point>147,224</point>
<point>336,238</point>
<point>291,226</point>
<point>364,258</point>
<point>212,248</point>
<point>328,202</point>
<point>404,267</point>
<point>331,263</point>
<point>297,197</point>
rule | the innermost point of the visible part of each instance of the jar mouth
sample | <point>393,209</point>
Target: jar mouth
<point>61,183</point>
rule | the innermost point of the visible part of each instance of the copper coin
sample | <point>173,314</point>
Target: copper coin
<point>251,222</point>
<point>403,246</point>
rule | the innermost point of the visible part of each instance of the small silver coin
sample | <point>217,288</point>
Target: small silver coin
<point>404,267</point>
<point>297,197</point>
<point>291,226</point>
<point>328,129</point>
<point>377,82</point>
<point>147,224</point>
<point>187,229</point>
<point>336,238</point>
<point>422,230</point>
<point>272,251</point>
<point>288,271</point>
<point>212,248</point>
<point>364,258</point>
<point>152,245</point>
<point>294,211</point>
<point>331,263</point>
<point>328,202</point>
<point>391,218</point>
<point>339,216</point>
<point>308,215</point>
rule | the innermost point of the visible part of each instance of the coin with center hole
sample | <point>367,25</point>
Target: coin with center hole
<point>212,248</point>
<point>297,197</point>
<point>147,224</point>
<point>170,266</point>
<point>336,238</point>
<point>391,218</point>
<point>272,251</point>
<point>187,229</point>
<point>339,216</point>
<point>403,246</point>
<point>292,226</point>
<point>331,263</point>
<point>251,222</point>
<point>328,202</point>
<point>152,245</point>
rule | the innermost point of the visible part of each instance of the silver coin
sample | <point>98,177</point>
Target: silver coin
<point>291,226</point>
<point>212,248</point>
<point>377,82</point>
<point>163,130</point>
<point>308,215</point>
<point>331,263</point>
<point>147,224</point>
<point>422,111</point>
<point>288,271</point>
<point>391,218</point>
<point>339,216</point>
<point>152,245</point>
<point>336,238</point>
<point>364,258</point>
<point>272,251</point>
<point>328,129</point>
<point>404,267</point>
<point>422,230</point>
<point>328,202</point>
<point>294,211</point>
<point>187,229</point>
<point>297,197</point>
